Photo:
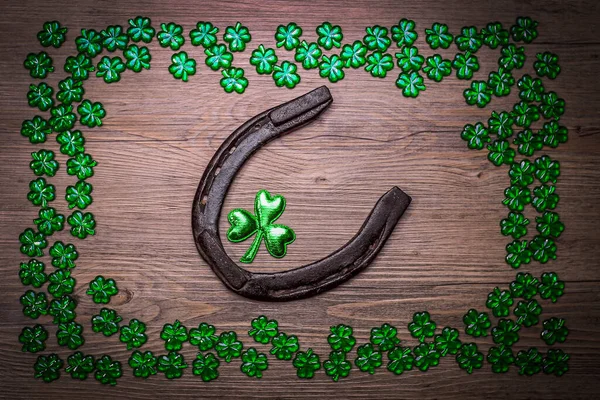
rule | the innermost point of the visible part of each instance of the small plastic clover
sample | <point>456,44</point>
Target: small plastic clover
<point>499,301</point>
<point>337,366</point>
<point>341,338</point>
<point>70,91</point>
<point>329,35</point>
<point>91,114</point>
<point>32,273</point>
<point>62,118</point>
<point>263,329</point>
<point>71,142</point>
<point>546,169</point>
<point>476,136</point>
<point>143,364</point>
<point>41,192</point>
<point>500,152</point>
<point>183,66</point>
<point>137,58</point>
<point>60,283</point>
<point>70,334</point>
<point>528,142</point>
<point>501,358</point>
<point>39,65</point>
<point>529,361</point>
<point>410,83</point>
<point>114,37</point>
<point>367,358</point>
<point>89,43</point>
<point>521,174</point>
<point>36,129</point>
<point>469,39</point>
<point>516,198</point>
<point>426,356</point>
<point>48,367</point>
<point>228,346</point>
<point>49,221</point>
<point>506,333</point>
<point>512,57</point>
<point>106,322</point>
<point>102,289</point>
<point>331,68</point>
<point>140,28</point>
<point>517,253</point>
<point>494,35</point>
<point>52,34</point>
<point>40,96</point>
<point>133,334</point>
<point>79,66</point>
<point>400,359</point>
<point>308,54</point>
<point>285,346</point>
<point>206,366</point>
<point>172,365</point>
<point>354,54</point>
<point>233,80</point>
<point>479,94</point>
<point>476,324</point>
<point>43,163</point>
<point>288,36</point>
<point>546,65</point>
<point>285,75</point>
<point>108,371</point>
<point>79,195</point>
<point>553,134</point>
<point>110,69</point>
<point>469,358</point>
<point>63,255</point>
<point>62,309</point>
<point>530,89</point>
<point>438,36</point>
<point>82,224</point>
<point>551,287</point>
<point>410,59</point>
<point>422,326</point>
<point>34,304</point>
<point>543,249</point>
<point>32,243</point>
<point>525,285</point>
<point>528,312</point>
<point>404,33</point>
<point>376,38</point>
<point>437,68</point>
<point>549,225</point>
<point>447,342</point>
<point>237,36</point>
<point>544,198</point>
<point>515,224</point>
<point>306,363</point>
<point>205,34</point>
<point>500,82</point>
<point>80,366</point>
<point>552,106</point>
<point>81,165</point>
<point>34,338</point>
<point>170,35</point>
<point>555,362</point>
<point>384,337</point>
<point>263,59</point>
<point>524,30</point>
<point>217,57</point>
<point>554,331</point>
<point>465,65</point>
<point>174,335</point>
<point>253,363</point>
<point>203,336</point>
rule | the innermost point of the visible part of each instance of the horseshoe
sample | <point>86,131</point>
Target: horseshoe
<point>309,279</point>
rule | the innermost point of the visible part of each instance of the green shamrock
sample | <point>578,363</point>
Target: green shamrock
<point>285,75</point>
<point>43,163</point>
<point>263,329</point>
<point>511,57</point>
<point>546,169</point>
<point>34,304</point>
<point>288,36</point>
<point>384,337</point>
<point>555,362</point>
<point>479,94</point>
<point>106,322</point>
<point>525,114</point>
<point>70,335</point>
<point>79,195</point>
<point>465,65</point>
<point>551,287</point>
<point>33,339</point>
<point>183,66</point>
<point>426,356</point>
<point>244,224</point>
<point>237,36</point>
<point>170,35</point>
<point>525,285</point>
<point>174,335</point>
<point>554,331</point>
<point>521,174</point>
<point>501,358</point>
<point>528,142</point>
<point>404,33</point>
<point>337,366</point>
<point>62,309</point>
<point>546,65</point>
<point>400,359</point>
<point>108,371</point>
<point>341,338</point>
<point>217,57</point>
<point>110,69</point>
<point>39,65</point>
<point>89,43</point>
<point>410,59</point>
<point>114,37</point>
<point>228,346</point>
<point>367,358</point>
<point>143,364</point>
<point>49,221</point>
<point>62,118</point>
<point>48,367</point>
<point>263,59</point>
<point>549,225</point>
<point>207,366</point>
<point>516,198</point>
<point>102,289</point>
<point>553,134</point>
<point>530,89</point>
<point>204,35</point>
<point>80,365</point>
<point>81,165</point>
<point>437,68</point>
<point>91,114</point>
<point>36,129</point>
<point>500,152</point>
<point>500,82</point>
<point>52,34</point>
<point>82,224</point>
<point>422,326</point>
<point>233,80</point>
<point>70,91</point>
<point>306,363</point>
<point>524,30</point>
<point>476,324</point>
<point>63,256</point>
<point>517,253</point>
<point>529,361</point>
<point>543,249</point>
<point>447,342</point>
<point>172,365</point>
<point>204,336</point>
<point>499,301</point>
<point>41,192</point>
<point>308,54</point>
<point>375,39</point>
<point>438,36</point>
<point>494,35</point>
<point>411,84</point>
<point>331,68</point>
<point>544,198</point>
<point>40,96</point>
<point>133,334</point>
<point>32,273</point>
<point>354,54</point>
<point>285,346</point>
<point>32,243</point>
<point>140,28</point>
<point>469,39</point>
<point>506,333</point>
<point>476,136</point>
<point>60,283</point>
<point>253,363</point>
<point>329,35</point>
<point>79,66</point>
<point>137,58</point>
<point>552,106</point>
<point>469,358</point>
<point>527,312</point>
<point>514,225</point>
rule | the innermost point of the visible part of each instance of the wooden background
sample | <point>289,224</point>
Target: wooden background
<point>444,256</point>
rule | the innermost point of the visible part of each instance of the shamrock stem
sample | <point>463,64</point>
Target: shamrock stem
<point>251,253</point>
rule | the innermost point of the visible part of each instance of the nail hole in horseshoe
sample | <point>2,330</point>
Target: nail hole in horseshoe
<point>203,201</point>
<point>217,170</point>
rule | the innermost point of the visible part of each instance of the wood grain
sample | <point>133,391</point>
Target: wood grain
<point>445,255</point>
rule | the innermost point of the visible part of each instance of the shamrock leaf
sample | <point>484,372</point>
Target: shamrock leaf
<point>285,75</point>
<point>70,91</point>
<point>79,67</point>
<point>108,371</point>
<point>469,358</point>
<point>79,195</point>
<point>204,35</point>
<point>465,65</point>
<point>62,309</point>
<point>237,36</point>
<point>411,84</point>
<point>494,35</point>
<point>516,198</point>
<point>206,366</point>
<point>140,28</point>
<point>233,80</point>
<point>217,57</point>
<point>106,322</point>
<point>253,363</point>
<point>43,163</point>
<point>555,362</point>
<point>525,114</point>
<point>554,331</point>
<point>401,359</point>
<point>529,361</point>
<point>113,38</point>
<point>514,225</point>
<point>385,337</point>
<point>512,57</point>
<point>89,43</point>
<point>48,367</point>
<point>69,334</point>
<point>337,366</point>
<point>543,249</point>
<point>82,224</point>
<point>410,59</point>
<point>544,198</point>
<point>375,39</point>
<point>469,39</point>
<point>422,326</point>
<point>437,68</point>
<point>329,35</point>
<point>530,89</point>
<point>60,283</point>
<point>110,69</point>
<point>91,114</point>
<point>263,59</point>
<point>204,336</point>
<point>500,152</point>
<point>404,33</point>
<point>143,364</point>
<point>476,324</point>
<point>137,58</point>
<point>34,304</point>
<point>331,68</point>
<point>546,169</point>
<point>476,136</point>
<point>521,174</point>
<point>63,256</point>
<point>353,54</point>
<point>81,165</point>
<point>174,335</point>
<point>288,36</point>
<point>527,312</point>
<point>438,36</point>
<point>500,82</point>
<point>52,34</point>
<point>552,106</point>
<point>549,225</point>
<point>102,289</point>
<point>528,142</point>
<point>62,118</point>
<point>49,221</point>
<point>228,346</point>
<point>426,356</point>
<point>39,65</point>
<point>263,329</point>
<point>525,285</point>
<point>367,358</point>
<point>306,363</point>
<point>41,192</point>
<point>517,253</point>
<point>32,243</point>
<point>506,333</point>
<point>33,339</point>
<point>308,54</point>
<point>553,134</point>
<point>285,346</point>
<point>551,287</point>
<point>341,338</point>
<point>172,365</point>
<point>40,96</point>
<point>447,342</point>
<point>182,66</point>
<point>133,334</point>
<point>478,94</point>
<point>36,129</point>
<point>524,30</point>
<point>501,358</point>
<point>80,365</point>
<point>32,273</point>
<point>499,301</point>
<point>171,35</point>
<point>546,65</point>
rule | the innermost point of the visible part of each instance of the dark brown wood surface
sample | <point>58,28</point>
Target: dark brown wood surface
<point>444,256</point>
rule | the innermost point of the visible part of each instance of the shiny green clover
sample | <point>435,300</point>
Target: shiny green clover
<point>253,363</point>
<point>384,337</point>
<point>174,335</point>
<point>70,335</point>
<point>80,365</point>
<point>551,287</point>
<point>110,69</point>
<point>34,304</point>
<point>244,224</point>
<point>206,366</point>
<point>400,359</point>
<point>506,333</point>
<point>48,367</point>
<point>89,43</point>
<point>114,37</point>
<point>500,152</point>
<point>426,356</point>
<point>263,59</point>
<point>547,65</point>
<point>329,35</point>
<point>549,225</point>
<point>170,35</point>
<point>422,326</point>
<point>107,322</point>
<point>140,28</point>
<point>367,358</point>
<point>143,364</point>
<point>469,358</point>
<point>476,324</point>
<point>32,273</point>
<point>137,58</point>
<point>410,83</point>
<point>494,35</point>
<point>308,54</point>
<point>528,142</point>
<point>555,362</point>
<point>404,33</point>
<point>501,358</point>
<point>36,129</point>
<point>530,89</point>
<point>228,346</point>
<point>288,36</point>
<point>41,192</point>
<point>521,174</point>
<point>376,38</point>
<point>39,65</point>
<point>204,35</point>
<point>516,198</point>
<point>500,82</point>
<point>172,365</point>
<point>525,285</point>
<point>32,243</point>
<point>60,283</point>
<point>71,142</point>
<point>63,118</point>
<point>49,221</point>
<point>544,198</point>
<point>285,75</point>
<point>70,91</point>
<point>108,371</point>
<point>354,54</point>
<point>43,163</point>
<point>528,312</point>
<point>82,224</point>
<point>306,363</point>
<point>514,225</point>
<point>63,255</point>
<point>133,334</point>
<point>237,36</point>
<point>469,39</point>
<point>479,94</point>
<point>341,338</point>
<point>447,342</point>
<point>476,136</point>
<point>552,106</point>
<point>217,57</point>
<point>438,36</point>
<point>102,289</point>
<point>203,336</point>
<point>263,329</point>
<point>91,114</point>
<point>553,134</point>
<point>183,66</point>
<point>410,59</point>
<point>437,68</point>
<point>331,68</point>
<point>62,309</point>
<point>40,96</point>
<point>524,30</point>
<point>555,331</point>
<point>233,80</point>
<point>465,65</point>
<point>529,361</point>
<point>79,66</point>
<point>499,301</point>
<point>511,57</point>
<point>79,195</point>
<point>34,339</point>
<point>52,34</point>
<point>285,346</point>
<point>337,366</point>
<point>501,124</point>
<point>81,165</point>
